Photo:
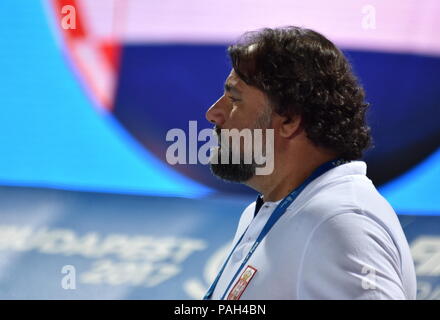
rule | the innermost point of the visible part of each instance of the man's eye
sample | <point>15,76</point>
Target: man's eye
<point>234,99</point>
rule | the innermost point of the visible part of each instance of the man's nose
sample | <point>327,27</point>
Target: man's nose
<point>216,113</point>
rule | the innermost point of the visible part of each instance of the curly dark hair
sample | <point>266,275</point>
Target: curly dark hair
<point>303,73</point>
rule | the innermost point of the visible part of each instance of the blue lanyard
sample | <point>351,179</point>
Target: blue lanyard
<point>278,212</point>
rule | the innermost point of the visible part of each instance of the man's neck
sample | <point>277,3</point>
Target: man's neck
<point>286,178</point>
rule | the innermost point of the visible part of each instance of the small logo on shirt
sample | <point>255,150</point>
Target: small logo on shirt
<point>242,283</point>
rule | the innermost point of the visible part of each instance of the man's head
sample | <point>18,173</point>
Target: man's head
<point>302,85</point>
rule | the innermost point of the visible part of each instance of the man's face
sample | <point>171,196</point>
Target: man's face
<point>240,107</point>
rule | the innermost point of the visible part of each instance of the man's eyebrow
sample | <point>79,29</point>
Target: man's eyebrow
<point>231,88</point>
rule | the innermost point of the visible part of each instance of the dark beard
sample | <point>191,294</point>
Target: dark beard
<point>240,172</point>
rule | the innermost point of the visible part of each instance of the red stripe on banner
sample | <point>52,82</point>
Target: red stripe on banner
<point>111,52</point>
<point>78,32</point>
<point>96,59</point>
<point>80,37</point>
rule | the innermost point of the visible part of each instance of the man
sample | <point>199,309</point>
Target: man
<point>319,229</point>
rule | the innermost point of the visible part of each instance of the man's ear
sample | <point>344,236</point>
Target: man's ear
<point>290,126</point>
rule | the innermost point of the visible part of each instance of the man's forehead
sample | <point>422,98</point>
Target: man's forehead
<point>234,80</point>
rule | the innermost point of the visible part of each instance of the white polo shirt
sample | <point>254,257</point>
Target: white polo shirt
<point>340,239</point>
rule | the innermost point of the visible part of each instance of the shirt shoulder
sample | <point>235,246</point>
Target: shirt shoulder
<point>350,256</point>
<point>349,231</point>
<point>345,189</point>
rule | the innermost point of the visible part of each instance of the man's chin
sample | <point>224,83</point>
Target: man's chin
<point>239,173</point>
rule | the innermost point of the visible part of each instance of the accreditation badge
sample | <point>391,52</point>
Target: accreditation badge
<point>242,283</point>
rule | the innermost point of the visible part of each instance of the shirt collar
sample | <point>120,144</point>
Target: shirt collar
<point>258,204</point>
